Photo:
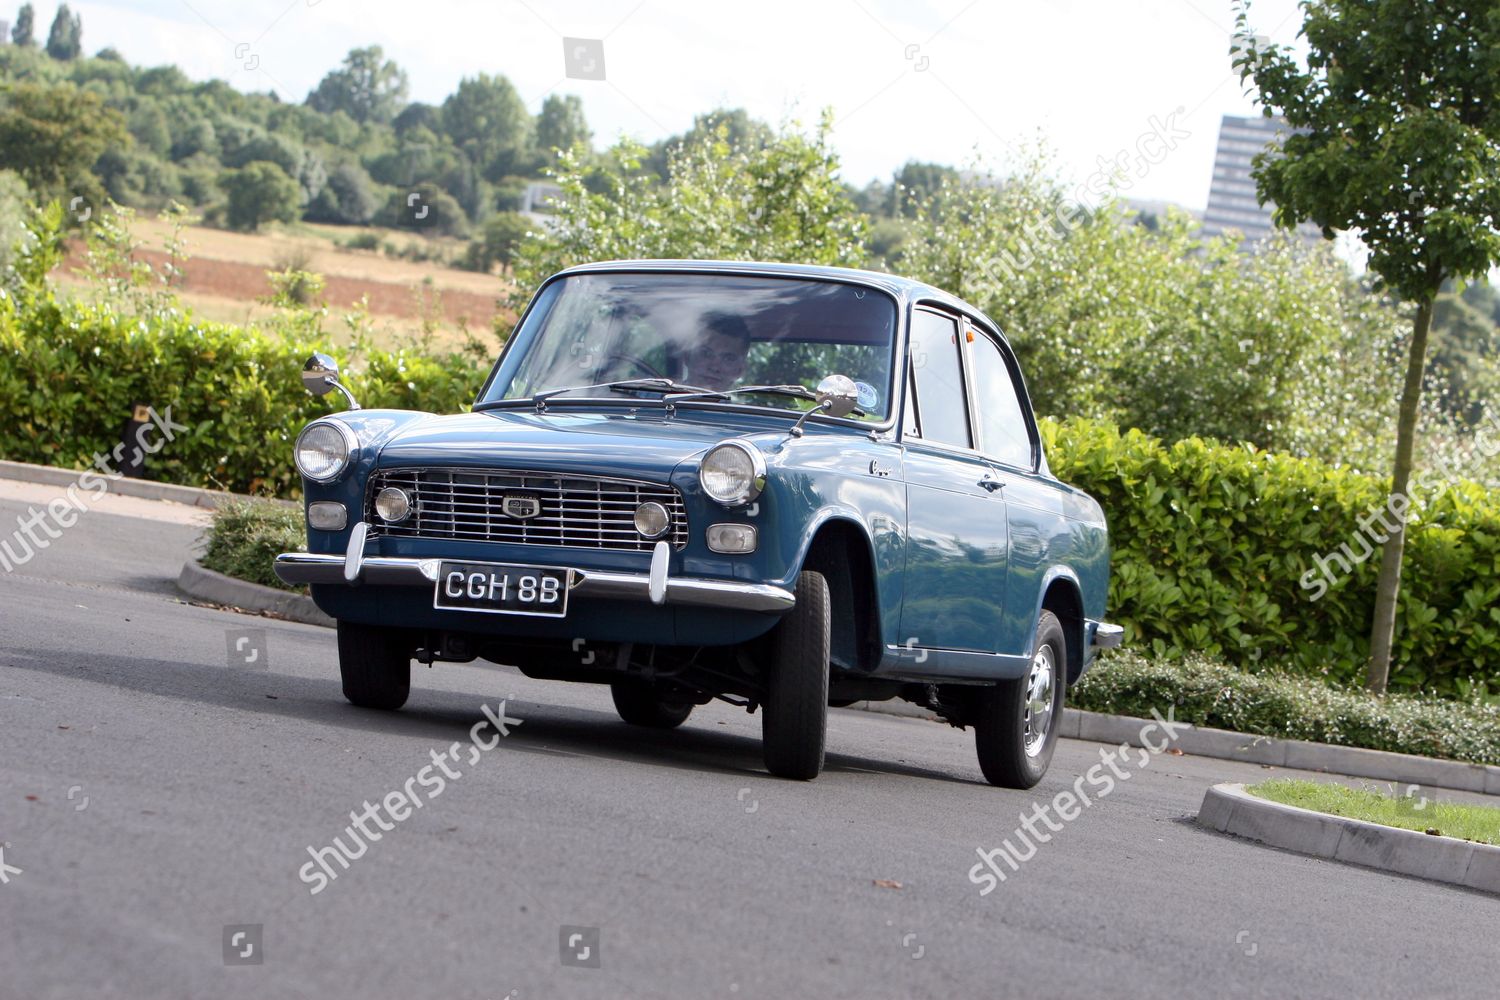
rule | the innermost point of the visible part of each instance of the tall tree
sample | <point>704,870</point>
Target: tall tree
<point>51,136</point>
<point>65,40</point>
<point>1396,119</point>
<point>561,124</point>
<point>368,87</point>
<point>486,118</point>
<point>24,33</point>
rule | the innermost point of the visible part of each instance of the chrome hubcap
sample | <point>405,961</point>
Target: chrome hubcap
<point>1038,718</point>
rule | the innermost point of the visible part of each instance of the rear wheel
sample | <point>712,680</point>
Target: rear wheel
<point>1016,723</point>
<point>795,715</point>
<point>375,664</point>
<point>643,705</point>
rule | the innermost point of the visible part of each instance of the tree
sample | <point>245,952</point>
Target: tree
<point>259,193</point>
<point>65,40</point>
<point>497,242</point>
<point>51,136</point>
<point>24,33</point>
<point>1395,137</point>
<point>368,88</point>
<point>914,183</point>
<point>735,126</point>
<point>561,125</point>
<point>486,118</point>
<point>346,199</point>
<point>775,200</point>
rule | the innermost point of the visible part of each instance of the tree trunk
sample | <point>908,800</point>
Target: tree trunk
<point>1388,588</point>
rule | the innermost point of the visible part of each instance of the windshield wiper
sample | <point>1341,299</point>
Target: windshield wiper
<point>651,384</point>
<point>795,391</point>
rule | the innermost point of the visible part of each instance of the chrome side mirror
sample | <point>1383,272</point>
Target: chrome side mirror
<point>320,376</point>
<point>837,395</point>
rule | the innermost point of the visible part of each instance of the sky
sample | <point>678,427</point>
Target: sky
<point>932,80</point>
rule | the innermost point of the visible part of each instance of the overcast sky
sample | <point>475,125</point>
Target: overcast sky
<point>930,80</point>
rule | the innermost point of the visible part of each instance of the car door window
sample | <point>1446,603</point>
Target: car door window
<point>1003,431</point>
<point>940,383</point>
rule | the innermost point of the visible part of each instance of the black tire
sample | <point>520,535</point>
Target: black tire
<point>1011,753</point>
<point>794,722</point>
<point>375,664</point>
<point>642,705</point>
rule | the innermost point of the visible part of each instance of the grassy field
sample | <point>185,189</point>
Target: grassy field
<point>225,277</point>
<point>1449,819</point>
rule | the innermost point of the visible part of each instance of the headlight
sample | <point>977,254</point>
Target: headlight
<point>323,450</point>
<point>733,473</point>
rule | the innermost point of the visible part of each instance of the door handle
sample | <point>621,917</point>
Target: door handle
<point>991,482</point>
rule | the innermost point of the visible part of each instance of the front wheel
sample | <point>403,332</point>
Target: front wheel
<point>641,705</point>
<point>375,664</point>
<point>794,722</point>
<point>1017,721</point>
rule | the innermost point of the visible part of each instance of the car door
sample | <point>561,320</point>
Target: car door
<point>956,546</point>
<point>1006,436</point>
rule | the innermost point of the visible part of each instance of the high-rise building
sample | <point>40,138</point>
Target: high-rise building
<point>1232,202</point>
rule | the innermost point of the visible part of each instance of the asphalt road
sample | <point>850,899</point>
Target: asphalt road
<point>155,789</point>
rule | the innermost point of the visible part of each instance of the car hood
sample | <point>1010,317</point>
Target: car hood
<point>647,444</point>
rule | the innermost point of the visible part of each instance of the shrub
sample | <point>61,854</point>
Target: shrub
<point>1215,551</point>
<point>72,372</point>
<point>246,537</point>
<point>1208,693</point>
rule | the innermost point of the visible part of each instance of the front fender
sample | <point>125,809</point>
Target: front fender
<point>372,429</point>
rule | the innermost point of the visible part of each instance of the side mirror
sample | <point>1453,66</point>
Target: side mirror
<point>837,395</point>
<point>320,376</point>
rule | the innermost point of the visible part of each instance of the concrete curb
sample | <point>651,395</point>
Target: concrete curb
<point>1301,755</point>
<point>145,489</point>
<point>207,585</point>
<point>1229,808</point>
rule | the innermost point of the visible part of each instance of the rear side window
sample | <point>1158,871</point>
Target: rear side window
<point>1003,434</point>
<point>940,382</point>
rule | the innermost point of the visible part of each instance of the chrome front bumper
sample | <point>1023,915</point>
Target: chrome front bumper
<point>657,587</point>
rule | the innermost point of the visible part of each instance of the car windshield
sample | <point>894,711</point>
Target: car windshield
<point>701,331</point>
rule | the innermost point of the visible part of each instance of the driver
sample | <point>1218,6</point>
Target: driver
<point>717,359</point>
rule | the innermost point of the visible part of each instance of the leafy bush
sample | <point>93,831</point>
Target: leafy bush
<point>72,372</point>
<point>246,537</point>
<point>1216,550</point>
<point>1207,693</point>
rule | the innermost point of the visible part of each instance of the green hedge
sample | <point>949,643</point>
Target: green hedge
<point>1212,545</point>
<point>70,374</point>
<point>1207,693</point>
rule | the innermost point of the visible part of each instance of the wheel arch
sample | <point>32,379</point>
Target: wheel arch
<point>1062,594</point>
<point>840,548</point>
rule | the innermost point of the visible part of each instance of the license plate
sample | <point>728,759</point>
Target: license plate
<point>500,589</point>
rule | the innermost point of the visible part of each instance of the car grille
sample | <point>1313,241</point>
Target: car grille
<point>580,511</point>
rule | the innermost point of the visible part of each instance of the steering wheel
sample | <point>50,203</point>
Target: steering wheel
<point>632,360</point>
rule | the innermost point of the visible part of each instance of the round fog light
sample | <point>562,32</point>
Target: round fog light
<point>652,519</point>
<point>392,504</point>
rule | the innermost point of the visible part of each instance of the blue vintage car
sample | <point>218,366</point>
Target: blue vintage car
<point>785,487</point>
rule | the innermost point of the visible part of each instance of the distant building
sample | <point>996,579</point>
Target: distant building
<point>537,202</point>
<point>1232,202</point>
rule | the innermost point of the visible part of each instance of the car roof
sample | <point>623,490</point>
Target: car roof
<point>904,289</point>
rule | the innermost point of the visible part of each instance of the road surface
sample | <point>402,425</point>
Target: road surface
<point>162,782</point>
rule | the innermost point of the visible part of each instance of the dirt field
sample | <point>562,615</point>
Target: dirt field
<point>225,276</point>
